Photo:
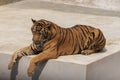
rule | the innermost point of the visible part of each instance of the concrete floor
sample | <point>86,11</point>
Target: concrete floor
<point>15,24</point>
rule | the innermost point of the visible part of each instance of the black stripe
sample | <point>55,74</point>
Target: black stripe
<point>84,34</point>
<point>87,29</point>
<point>63,36</point>
<point>71,34</point>
<point>22,54</point>
<point>34,50</point>
<point>74,40</point>
<point>81,35</point>
<point>68,34</point>
<point>25,53</point>
<point>99,37</point>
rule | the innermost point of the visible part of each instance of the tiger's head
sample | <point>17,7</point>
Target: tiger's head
<point>42,31</point>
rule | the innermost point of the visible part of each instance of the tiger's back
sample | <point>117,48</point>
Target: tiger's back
<point>80,38</point>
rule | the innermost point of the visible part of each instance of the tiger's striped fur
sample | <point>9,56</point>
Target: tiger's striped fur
<point>51,41</point>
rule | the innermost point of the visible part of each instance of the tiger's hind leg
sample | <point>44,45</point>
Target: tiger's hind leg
<point>97,44</point>
<point>19,54</point>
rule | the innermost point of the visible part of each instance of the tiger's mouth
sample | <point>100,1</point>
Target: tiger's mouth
<point>40,43</point>
<point>37,43</point>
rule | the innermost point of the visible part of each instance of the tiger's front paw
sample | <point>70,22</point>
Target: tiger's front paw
<point>10,65</point>
<point>31,70</point>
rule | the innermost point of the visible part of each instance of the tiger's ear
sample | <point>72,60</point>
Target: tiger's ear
<point>33,20</point>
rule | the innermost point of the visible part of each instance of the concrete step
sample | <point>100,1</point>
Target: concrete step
<point>15,33</point>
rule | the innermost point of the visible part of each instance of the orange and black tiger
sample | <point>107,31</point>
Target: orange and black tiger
<point>51,41</point>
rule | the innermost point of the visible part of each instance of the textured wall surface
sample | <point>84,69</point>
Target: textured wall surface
<point>102,4</point>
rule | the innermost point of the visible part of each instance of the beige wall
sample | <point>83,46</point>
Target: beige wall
<point>102,4</point>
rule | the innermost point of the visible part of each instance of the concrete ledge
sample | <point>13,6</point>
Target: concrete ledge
<point>71,67</point>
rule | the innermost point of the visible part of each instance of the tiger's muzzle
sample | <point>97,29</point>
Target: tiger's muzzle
<point>39,40</point>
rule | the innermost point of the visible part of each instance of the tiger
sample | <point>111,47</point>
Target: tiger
<point>50,41</point>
